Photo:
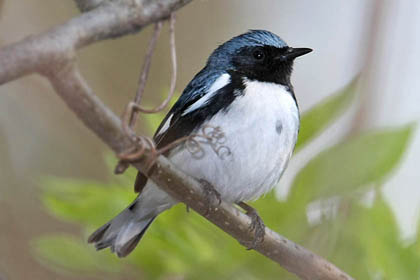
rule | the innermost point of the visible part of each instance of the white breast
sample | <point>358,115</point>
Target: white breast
<point>260,130</point>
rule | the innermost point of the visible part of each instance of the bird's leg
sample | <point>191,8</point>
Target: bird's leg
<point>210,193</point>
<point>257,225</point>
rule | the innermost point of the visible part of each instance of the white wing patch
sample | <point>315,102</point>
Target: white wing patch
<point>165,126</point>
<point>222,81</point>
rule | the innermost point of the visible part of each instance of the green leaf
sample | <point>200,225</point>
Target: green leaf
<point>362,160</point>
<point>64,252</point>
<point>314,121</point>
<point>386,252</point>
<point>375,243</point>
<point>89,203</point>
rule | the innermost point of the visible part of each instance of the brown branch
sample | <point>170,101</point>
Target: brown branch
<point>134,108</point>
<point>52,55</point>
<point>87,5</point>
<point>174,73</point>
<point>110,20</point>
<point>145,73</point>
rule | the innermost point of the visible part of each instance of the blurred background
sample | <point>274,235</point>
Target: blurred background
<point>351,193</point>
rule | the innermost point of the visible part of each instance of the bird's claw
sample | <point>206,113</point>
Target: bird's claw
<point>257,225</point>
<point>210,194</point>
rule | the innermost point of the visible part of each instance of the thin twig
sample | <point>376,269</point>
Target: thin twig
<point>135,107</point>
<point>171,93</point>
<point>145,72</point>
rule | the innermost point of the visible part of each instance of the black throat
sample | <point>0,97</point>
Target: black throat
<point>268,69</point>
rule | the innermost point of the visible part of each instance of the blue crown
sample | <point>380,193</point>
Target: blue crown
<point>222,55</point>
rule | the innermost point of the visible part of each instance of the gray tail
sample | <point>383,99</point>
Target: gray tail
<point>122,233</point>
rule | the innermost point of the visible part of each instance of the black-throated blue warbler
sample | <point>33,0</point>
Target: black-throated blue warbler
<point>243,102</point>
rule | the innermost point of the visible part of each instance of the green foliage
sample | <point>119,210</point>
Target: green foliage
<point>368,243</point>
<point>314,121</point>
<point>385,255</point>
<point>362,240</point>
<point>64,252</point>
<point>65,201</point>
<point>355,163</point>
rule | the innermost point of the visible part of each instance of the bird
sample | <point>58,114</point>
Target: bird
<point>243,105</point>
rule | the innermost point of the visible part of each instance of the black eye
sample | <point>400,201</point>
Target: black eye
<point>258,54</point>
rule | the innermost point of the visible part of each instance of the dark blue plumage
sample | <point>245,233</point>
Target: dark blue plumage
<point>221,58</point>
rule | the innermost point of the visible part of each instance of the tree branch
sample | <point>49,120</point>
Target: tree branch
<point>52,55</point>
<point>87,5</point>
<point>109,20</point>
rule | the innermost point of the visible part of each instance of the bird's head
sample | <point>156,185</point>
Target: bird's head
<point>257,55</point>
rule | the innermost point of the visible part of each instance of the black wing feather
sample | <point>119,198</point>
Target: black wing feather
<point>177,129</point>
<point>182,125</point>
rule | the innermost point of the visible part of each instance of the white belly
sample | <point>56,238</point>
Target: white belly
<point>260,131</point>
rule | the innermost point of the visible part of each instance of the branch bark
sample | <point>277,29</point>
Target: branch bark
<point>52,54</point>
<point>87,5</point>
<point>110,20</point>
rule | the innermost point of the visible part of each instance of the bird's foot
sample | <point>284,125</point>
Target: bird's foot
<point>210,194</point>
<point>257,225</point>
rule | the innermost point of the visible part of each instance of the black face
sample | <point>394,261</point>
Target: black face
<point>266,63</point>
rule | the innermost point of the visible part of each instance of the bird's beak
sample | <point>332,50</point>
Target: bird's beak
<point>292,53</point>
